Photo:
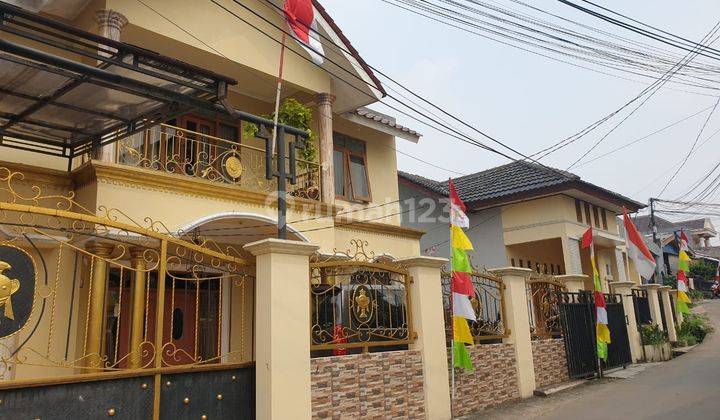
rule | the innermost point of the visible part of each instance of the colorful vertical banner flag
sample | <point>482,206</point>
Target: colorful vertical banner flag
<point>683,284</point>
<point>602,332</point>
<point>460,286</point>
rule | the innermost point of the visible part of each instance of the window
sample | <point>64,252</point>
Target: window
<point>578,210</point>
<point>596,213</point>
<point>350,166</point>
<point>587,214</point>
<point>512,262</point>
<point>604,218</point>
<point>521,263</point>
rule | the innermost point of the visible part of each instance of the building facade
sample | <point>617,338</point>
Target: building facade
<point>525,215</point>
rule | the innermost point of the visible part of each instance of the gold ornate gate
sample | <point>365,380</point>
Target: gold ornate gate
<point>99,297</point>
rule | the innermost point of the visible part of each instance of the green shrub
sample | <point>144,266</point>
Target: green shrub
<point>695,295</point>
<point>653,335</point>
<point>695,325</point>
<point>686,340</point>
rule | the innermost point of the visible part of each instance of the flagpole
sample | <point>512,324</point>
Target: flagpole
<point>279,91</point>
<point>452,324</point>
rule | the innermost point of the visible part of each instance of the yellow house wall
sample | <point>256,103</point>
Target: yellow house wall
<point>236,40</point>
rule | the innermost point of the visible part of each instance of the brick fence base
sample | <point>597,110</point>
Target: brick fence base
<point>550,362</point>
<point>374,385</point>
<point>493,381</point>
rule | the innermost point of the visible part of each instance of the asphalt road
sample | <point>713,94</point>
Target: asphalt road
<point>687,387</point>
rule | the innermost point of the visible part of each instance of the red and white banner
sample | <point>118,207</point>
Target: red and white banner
<point>300,16</point>
<point>637,250</point>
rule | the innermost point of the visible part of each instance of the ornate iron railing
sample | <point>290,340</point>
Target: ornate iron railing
<point>488,303</point>
<point>543,306</point>
<point>358,302</point>
<point>175,150</point>
<point>112,293</point>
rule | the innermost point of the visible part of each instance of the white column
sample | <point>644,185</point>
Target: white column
<point>571,255</point>
<point>620,264</point>
<point>428,321</point>
<point>652,291</point>
<point>517,321</point>
<point>282,319</point>
<point>325,138</point>
<point>110,25</point>
<point>624,289</point>
<point>668,309</point>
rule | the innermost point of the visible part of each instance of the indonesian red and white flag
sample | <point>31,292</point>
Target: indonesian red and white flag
<point>457,208</point>
<point>300,16</point>
<point>637,249</point>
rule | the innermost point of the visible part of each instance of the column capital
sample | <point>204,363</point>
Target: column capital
<point>651,286</point>
<point>325,99</point>
<point>110,18</point>
<point>621,285</point>
<point>280,246</point>
<point>665,288</point>
<point>573,282</point>
<point>423,261</point>
<point>137,253</point>
<point>100,249</point>
<point>511,271</point>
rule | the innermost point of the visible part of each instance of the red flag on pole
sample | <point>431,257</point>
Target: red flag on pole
<point>300,16</point>
<point>587,238</point>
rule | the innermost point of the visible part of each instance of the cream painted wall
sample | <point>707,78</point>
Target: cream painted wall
<point>234,39</point>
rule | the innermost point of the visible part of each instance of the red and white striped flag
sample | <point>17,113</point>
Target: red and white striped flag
<point>637,250</point>
<point>300,16</point>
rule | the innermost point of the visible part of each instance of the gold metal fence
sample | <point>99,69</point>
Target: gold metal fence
<point>175,150</point>
<point>95,292</point>
<point>358,302</point>
<point>488,303</point>
<point>543,305</point>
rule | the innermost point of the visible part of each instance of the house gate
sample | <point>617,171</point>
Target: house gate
<point>577,318</point>
<point>642,307</point>
<point>108,317</point>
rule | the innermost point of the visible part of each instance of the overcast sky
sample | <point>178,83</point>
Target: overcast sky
<point>530,102</point>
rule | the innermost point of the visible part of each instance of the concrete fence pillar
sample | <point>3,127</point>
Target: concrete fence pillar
<point>426,306</point>
<point>517,321</point>
<point>678,315</point>
<point>668,310</point>
<point>573,282</point>
<point>624,289</point>
<point>282,319</point>
<point>652,292</point>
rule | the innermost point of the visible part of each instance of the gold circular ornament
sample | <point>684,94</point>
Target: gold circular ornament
<point>111,412</point>
<point>44,291</point>
<point>233,166</point>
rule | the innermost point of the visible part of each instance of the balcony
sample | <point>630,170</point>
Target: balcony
<point>170,149</point>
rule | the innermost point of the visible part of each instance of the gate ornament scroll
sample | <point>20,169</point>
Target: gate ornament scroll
<point>358,301</point>
<point>488,302</point>
<point>543,305</point>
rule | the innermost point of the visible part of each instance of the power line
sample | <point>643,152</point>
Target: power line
<point>691,148</point>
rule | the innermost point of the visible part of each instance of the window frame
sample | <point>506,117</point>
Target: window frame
<point>603,216</point>
<point>588,216</point>
<point>596,216</point>
<point>578,210</point>
<point>350,194</point>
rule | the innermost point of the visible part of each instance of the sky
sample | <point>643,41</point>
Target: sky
<point>530,102</point>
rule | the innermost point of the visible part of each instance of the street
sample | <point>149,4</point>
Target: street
<point>687,387</point>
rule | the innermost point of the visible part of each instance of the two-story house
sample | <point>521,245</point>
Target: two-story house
<point>133,130</point>
<point>525,215</point>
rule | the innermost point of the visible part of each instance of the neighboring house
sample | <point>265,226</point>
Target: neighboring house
<point>525,215</point>
<point>700,232</point>
<point>152,141</point>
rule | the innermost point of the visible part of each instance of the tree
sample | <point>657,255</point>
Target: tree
<point>702,269</point>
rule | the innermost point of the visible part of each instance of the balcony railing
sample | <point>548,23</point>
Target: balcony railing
<point>179,151</point>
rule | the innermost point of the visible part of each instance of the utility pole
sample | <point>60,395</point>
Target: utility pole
<point>660,260</point>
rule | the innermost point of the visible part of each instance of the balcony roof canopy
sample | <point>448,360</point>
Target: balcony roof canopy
<point>64,91</point>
